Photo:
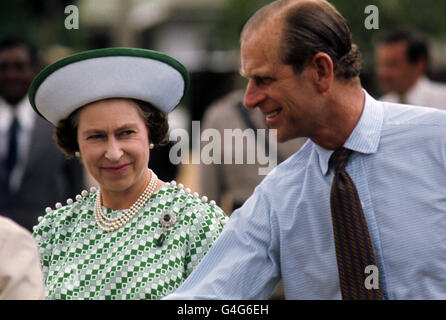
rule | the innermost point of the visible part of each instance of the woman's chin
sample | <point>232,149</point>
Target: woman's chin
<point>117,184</point>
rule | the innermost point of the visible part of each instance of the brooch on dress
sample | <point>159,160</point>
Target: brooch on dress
<point>167,220</point>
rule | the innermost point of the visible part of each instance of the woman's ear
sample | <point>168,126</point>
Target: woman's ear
<point>324,74</point>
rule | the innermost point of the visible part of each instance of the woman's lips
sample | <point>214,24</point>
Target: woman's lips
<point>117,170</point>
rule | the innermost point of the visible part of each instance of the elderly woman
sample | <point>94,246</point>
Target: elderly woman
<point>135,237</point>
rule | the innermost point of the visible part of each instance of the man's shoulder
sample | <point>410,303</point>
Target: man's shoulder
<point>401,114</point>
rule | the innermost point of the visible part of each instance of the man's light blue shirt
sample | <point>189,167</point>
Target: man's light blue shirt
<point>284,230</point>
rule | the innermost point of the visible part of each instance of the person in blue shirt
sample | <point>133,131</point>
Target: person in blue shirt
<point>303,74</point>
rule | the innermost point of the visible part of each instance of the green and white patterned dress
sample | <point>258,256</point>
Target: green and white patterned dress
<point>80,261</point>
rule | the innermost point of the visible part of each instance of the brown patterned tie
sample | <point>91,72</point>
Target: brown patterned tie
<point>354,251</point>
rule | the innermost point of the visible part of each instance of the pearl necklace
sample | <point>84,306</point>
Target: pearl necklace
<point>109,225</point>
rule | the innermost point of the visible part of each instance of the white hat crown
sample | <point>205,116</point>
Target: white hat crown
<point>94,75</point>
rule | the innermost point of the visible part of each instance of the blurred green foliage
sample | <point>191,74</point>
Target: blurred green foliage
<point>42,21</point>
<point>427,16</point>
<point>39,21</point>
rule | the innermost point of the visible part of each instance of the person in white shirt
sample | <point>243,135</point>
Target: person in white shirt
<point>402,59</point>
<point>20,273</point>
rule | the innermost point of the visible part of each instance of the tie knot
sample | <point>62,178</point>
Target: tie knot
<point>340,158</point>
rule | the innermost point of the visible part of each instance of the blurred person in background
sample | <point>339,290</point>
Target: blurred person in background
<point>34,174</point>
<point>20,273</point>
<point>237,180</point>
<point>402,60</point>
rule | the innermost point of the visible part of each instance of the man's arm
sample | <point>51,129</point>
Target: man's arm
<point>243,263</point>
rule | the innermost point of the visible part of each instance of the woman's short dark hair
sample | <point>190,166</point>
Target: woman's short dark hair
<point>155,121</point>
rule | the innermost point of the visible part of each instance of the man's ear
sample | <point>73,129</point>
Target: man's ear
<point>323,71</point>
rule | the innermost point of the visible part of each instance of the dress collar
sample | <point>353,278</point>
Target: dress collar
<point>364,138</point>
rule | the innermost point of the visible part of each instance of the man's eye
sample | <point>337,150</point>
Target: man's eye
<point>263,80</point>
<point>94,137</point>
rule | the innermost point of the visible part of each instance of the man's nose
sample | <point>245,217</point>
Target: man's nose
<point>253,95</point>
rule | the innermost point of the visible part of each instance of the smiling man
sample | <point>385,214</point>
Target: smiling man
<point>357,213</point>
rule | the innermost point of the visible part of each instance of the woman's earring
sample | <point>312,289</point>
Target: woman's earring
<point>77,154</point>
<point>151,146</point>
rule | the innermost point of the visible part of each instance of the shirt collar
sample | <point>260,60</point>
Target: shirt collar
<point>364,138</point>
<point>423,82</point>
<point>25,113</point>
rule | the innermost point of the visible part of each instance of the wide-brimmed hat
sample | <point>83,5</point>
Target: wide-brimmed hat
<point>89,76</point>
